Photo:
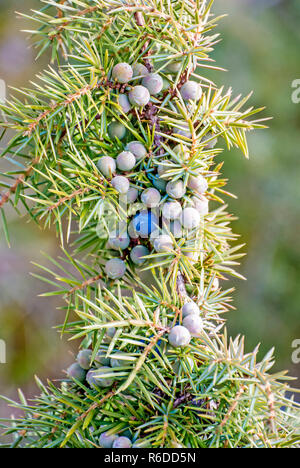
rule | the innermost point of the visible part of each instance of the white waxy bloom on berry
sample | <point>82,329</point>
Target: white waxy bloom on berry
<point>126,161</point>
<point>171,210</point>
<point>199,184</point>
<point>153,82</point>
<point>122,72</point>
<point>194,324</point>
<point>120,184</point>
<point>139,96</point>
<point>115,268</point>
<point>107,166</point>
<point>190,308</point>
<point>151,197</point>
<point>190,218</point>
<point>179,336</point>
<point>163,243</point>
<point>176,189</point>
<point>191,91</point>
<point>116,130</point>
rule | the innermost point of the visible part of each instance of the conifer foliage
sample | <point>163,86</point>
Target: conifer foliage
<point>117,145</point>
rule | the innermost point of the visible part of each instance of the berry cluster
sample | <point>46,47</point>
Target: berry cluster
<point>172,207</point>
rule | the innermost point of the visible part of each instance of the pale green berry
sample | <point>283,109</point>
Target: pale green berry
<point>171,210</point>
<point>107,166</point>
<point>139,70</point>
<point>163,244</point>
<point>138,253</point>
<point>126,161</point>
<point>198,184</point>
<point>119,360</point>
<point>122,72</point>
<point>166,84</point>
<point>75,371</point>
<point>116,130</point>
<point>119,240</point>
<point>151,197</point>
<point>194,324</point>
<point>179,336</point>
<point>106,440</point>
<point>173,67</point>
<point>190,218</point>
<point>120,184</point>
<point>122,442</point>
<point>190,308</point>
<point>115,268</point>
<point>137,149</point>
<point>176,189</point>
<point>84,358</point>
<point>153,82</point>
<point>201,204</point>
<point>124,103</point>
<point>96,378</point>
<point>139,96</point>
<point>191,91</point>
<point>132,195</point>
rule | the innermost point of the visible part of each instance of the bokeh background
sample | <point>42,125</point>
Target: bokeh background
<point>260,49</point>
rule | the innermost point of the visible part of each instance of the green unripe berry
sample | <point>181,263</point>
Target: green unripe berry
<point>151,197</point>
<point>115,268</point>
<point>107,166</point>
<point>96,378</point>
<point>171,210</point>
<point>173,67</point>
<point>201,204</point>
<point>137,149</point>
<point>153,82</point>
<point>84,358</point>
<point>106,440</point>
<point>76,372</point>
<point>120,184</point>
<point>139,70</point>
<point>126,161</point>
<point>160,184</point>
<point>190,218</point>
<point>110,333</point>
<point>122,72</point>
<point>199,184</point>
<point>122,442</point>
<point>139,96</point>
<point>191,91</point>
<point>179,336</point>
<point>194,324</point>
<point>190,308</point>
<point>176,189</point>
<point>116,130</point>
<point>137,254</point>
<point>163,243</point>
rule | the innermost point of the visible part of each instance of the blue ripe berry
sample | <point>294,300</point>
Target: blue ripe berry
<point>115,268</point>
<point>96,377</point>
<point>153,82</point>
<point>107,166</point>
<point>84,358</point>
<point>116,130</point>
<point>120,184</point>
<point>106,440</point>
<point>124,103</point>
<point>139,96</point>
<point>126,161</point>
<point>132,195</point>
<point>190,218</point>
<point>119,240</point>
<point>101,359</point>
<point>144,223</point>
<point>76,372</point>
<point>191,91</point>
<point>137,254</point>
<point>176,189</point>
<point>139,70</point>
<point>199,184</point>
<point>122,442</point>
<point>163,243</point>
<point>179,336</point>
<point>194,324</point>
<point>122,72</point>
<point>137,149</point>
<point>151,197</point>
<point>171,210</point>
<point>201,204</point>
<point>190,308</point>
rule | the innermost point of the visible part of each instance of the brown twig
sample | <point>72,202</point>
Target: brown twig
<point>19,181</point>
<point>68,197</point>
<point>86,283</point>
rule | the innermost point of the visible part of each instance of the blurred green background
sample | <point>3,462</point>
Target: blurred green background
<point>260,48</point>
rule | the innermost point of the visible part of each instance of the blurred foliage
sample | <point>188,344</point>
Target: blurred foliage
<point>260,48</point>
